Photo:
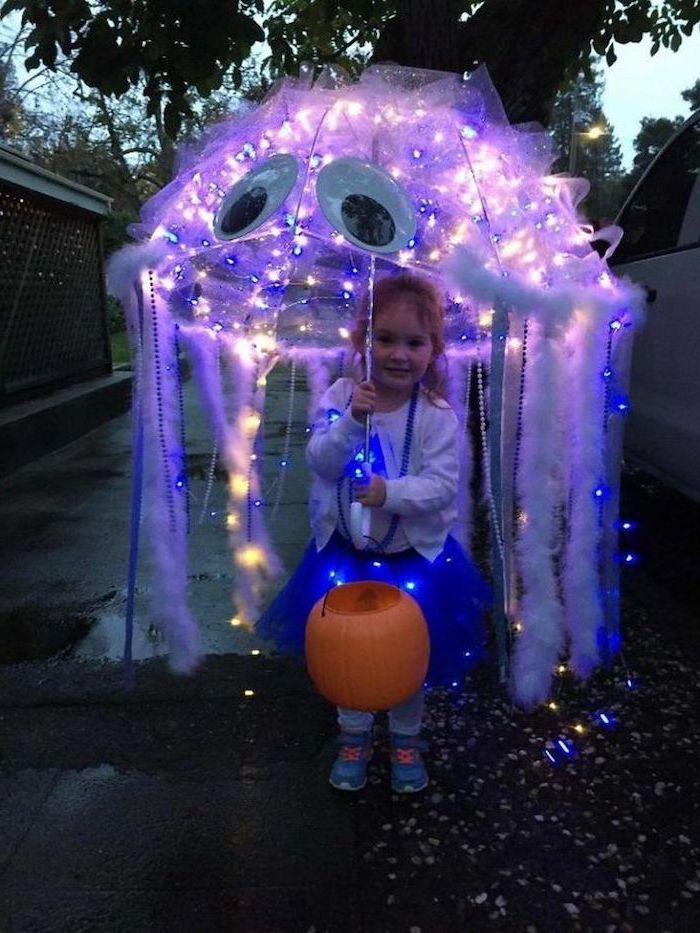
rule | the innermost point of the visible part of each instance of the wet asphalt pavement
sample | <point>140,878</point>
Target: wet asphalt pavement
<point>186,805</point>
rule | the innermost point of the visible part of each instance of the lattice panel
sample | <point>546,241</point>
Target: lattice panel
<point>52,315</point>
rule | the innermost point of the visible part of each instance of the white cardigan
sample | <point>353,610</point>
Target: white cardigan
<point>425,499</point>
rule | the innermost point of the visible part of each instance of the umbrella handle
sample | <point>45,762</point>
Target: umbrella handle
<point>360,517</point>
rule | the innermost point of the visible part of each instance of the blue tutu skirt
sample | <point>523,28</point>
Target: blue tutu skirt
<point>450,591</point>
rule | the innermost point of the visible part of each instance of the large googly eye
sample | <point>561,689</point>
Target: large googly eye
<point>366,205</point>
<point>255,197</point>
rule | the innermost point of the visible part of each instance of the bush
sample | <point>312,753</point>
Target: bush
<point>115,316</point>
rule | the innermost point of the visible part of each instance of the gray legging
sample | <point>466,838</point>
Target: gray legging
<point>405,719</point>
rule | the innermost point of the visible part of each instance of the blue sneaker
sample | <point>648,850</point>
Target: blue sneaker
<point>408,774</point>
<point>349,771</point>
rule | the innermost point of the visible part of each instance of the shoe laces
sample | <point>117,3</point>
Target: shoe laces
<point>406,756</point>
<point>350,752</point>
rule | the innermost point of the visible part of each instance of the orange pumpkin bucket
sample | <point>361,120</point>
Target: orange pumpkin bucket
<point>367,646</point>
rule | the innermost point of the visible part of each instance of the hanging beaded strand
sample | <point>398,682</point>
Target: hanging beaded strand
<point>519,416</point>
<point>287,438</point>
<point>159,404</point>
<point>211,471</point>
<point>403,471</point>
<point>493,512</point>
<point>183,479</point>
<point>467,397</point>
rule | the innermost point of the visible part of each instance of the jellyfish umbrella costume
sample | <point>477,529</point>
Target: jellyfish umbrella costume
<point>259,250</point>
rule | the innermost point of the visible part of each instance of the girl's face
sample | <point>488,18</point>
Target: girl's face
<point>403,349</point>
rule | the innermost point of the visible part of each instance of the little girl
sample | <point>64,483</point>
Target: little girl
<point>412,494</point>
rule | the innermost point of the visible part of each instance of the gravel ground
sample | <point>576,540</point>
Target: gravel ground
<point>505,840</point>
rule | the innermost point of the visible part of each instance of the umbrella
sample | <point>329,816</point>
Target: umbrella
<point>259,250</point>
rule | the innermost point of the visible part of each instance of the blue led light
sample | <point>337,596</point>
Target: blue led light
<point>230,260</point>
<point>332,415</point>
<point>560,751</point>
<point>171,237</point>
<point>206,242</point>
<point>284,463</point>
<point>615,324</point>
<point>411,243</point>
<point>254,278</point>
<point>257,503</point>
<point>606,719</point>
<point>297,250</point>
<point>607,373</point>
<point>376,563</point>
<point>331,574</point>
<point>410,585</point>
<point>417,153</point>
<point>347,295</point>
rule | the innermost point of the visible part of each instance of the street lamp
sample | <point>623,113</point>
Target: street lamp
<point>593,134</point>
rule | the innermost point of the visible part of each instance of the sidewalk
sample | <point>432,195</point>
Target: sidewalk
<point>185,805</point>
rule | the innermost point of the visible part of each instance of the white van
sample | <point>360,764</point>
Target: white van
<point>660,250</point>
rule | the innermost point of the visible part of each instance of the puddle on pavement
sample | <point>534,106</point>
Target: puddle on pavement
<point>105,640</point>
<point>31,632</point>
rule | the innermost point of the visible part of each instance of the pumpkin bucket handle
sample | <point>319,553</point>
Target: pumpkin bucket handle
<point>394,581</point>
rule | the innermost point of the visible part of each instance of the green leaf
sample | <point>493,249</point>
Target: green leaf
<point>9,6</point>
<point>33,61</point>
<point>600,44</point>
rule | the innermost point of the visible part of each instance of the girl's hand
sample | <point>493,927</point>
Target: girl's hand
<point>364,399</point>
<point>372,493</point>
